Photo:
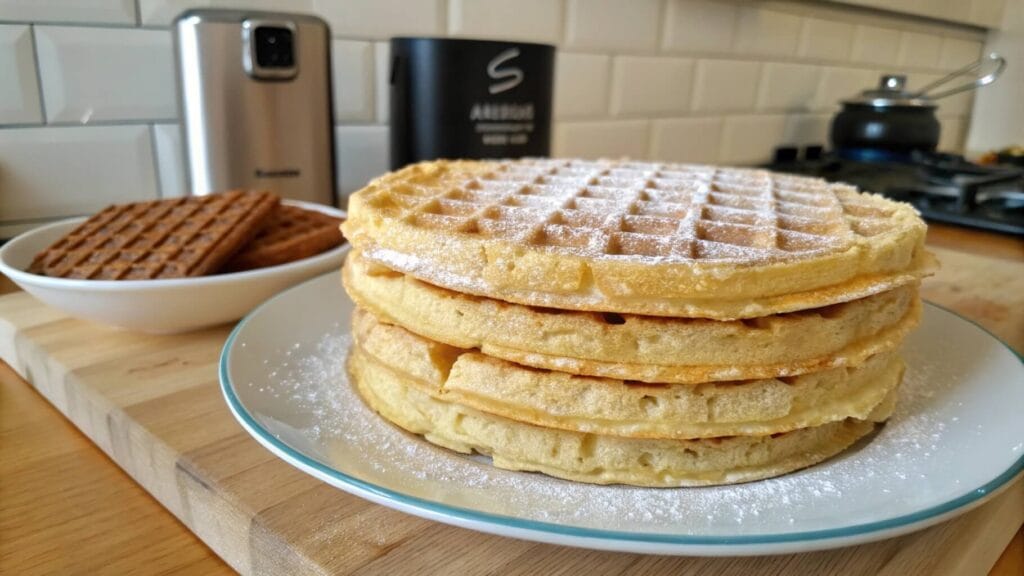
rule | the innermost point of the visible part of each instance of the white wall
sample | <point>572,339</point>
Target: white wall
<point>87,89</point>
<point>998,119</point>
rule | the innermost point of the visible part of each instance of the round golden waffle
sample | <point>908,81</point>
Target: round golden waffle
<point>630,347</point>
<point>626,237</point>
<point>627,409</point>
<point>595,458</point>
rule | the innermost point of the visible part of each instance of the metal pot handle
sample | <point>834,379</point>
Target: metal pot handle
<point>970,69</point>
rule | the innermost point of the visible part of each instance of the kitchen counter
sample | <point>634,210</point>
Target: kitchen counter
<point>66,508</point>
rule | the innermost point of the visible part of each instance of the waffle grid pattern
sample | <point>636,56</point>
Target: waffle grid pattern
<point>174,238</point>
<point>664,211</point>
<point>290,234</point>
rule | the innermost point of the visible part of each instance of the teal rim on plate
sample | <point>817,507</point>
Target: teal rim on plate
<point>438,508</point>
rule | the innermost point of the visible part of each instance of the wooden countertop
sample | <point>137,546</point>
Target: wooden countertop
<point>66,508</point>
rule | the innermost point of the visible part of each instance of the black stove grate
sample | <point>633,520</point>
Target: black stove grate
<point>943,187</point>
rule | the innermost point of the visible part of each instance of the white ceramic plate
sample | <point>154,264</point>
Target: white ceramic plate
<point>159,306</point>
<point>956,439</point>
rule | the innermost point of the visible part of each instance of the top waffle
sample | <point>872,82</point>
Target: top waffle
<point>659,239</point>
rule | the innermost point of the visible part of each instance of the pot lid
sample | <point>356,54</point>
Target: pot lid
<point>890,93</point>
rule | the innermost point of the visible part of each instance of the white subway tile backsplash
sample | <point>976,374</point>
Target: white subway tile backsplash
<point>917,81</point>
<point>581,84</point>
<point>839,84</point>
<point>615,139</point>
<point>957,53</point>
<point>826,39</point>
<point>919,50</point>
<point>361,154</point>
<point>807,129</point>
<point>163,12</point>
<point>648,85</point>
<point>788,86</point>
<point>699,26</point>
<point>613,24</point>
<point>725,85</point>
<point>752,139</point>
<point>352,73</point>
<point>19,89</point>
<point>382,80</point>
<point>764,32</point>
<point>68,11</point>
<point>961,103</point>
<point>950,10</point>
<point>702,81</point>
<point>48,172</point>
<point>9,230</point>
<point>170,161</point>
<point>875,45</point>
<point>952,134</point>
<point>530,20</point>
<point>958,104</point>
<point>691,140</point>
<point>988,13</point>
<point>95,74</point>
<point>383,18</point>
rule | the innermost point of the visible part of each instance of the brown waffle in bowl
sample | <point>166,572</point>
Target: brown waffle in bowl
<point>175,238</point>
<point>291,233</point>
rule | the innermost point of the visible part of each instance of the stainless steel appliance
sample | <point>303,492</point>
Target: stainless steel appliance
<point>255,97</point>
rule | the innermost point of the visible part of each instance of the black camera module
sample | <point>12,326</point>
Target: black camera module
<point>274,47</point>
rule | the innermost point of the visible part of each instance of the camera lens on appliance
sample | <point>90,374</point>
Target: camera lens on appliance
<point>274,47</point>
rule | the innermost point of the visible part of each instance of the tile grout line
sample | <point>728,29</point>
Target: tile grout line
<point>656,53</point>
<point>666,115</point>
<point>157,170</point>
<point>79,24</point>
<point>444,10</point>
<point>39,74</point>
<point>94,124</point>
<point>563,37</point>
<point>660,32</point>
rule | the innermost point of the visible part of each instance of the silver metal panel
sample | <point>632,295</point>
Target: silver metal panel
<point>241,131</point>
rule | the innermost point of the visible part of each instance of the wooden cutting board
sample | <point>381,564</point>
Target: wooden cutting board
<point>153,404</point>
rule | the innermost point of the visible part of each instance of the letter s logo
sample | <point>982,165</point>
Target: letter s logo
<point>514,75</point>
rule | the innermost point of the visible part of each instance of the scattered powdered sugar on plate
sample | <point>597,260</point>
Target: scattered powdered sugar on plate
<point>346,435</point>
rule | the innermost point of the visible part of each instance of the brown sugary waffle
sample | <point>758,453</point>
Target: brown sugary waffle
<point>291,233</point>
<point>632,237</point>
<point>174,238</point>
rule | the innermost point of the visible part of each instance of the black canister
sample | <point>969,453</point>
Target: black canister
<point>454,98</point>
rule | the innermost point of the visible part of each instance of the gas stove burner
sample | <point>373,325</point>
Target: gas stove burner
<point>872,155</point>
<point>943,187</point>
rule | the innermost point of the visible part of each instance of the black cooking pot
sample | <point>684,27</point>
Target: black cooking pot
<point>891,119</point>
<point>887,118</point>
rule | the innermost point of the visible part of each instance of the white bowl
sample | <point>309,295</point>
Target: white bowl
<point>159,306</point>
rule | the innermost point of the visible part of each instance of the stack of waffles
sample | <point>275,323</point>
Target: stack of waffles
<point>623,322</point>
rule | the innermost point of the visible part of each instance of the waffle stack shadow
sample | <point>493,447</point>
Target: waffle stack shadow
<point>644,324</point>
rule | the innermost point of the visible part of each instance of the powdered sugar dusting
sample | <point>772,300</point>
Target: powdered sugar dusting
<point>334,424</point>
<point>644,212</point>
